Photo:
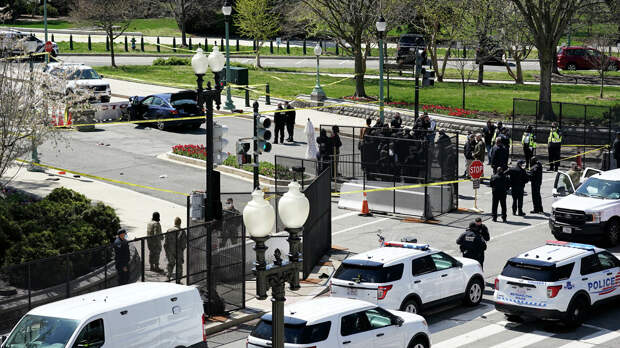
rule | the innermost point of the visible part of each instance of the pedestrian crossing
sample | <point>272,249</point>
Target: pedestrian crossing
<point>491,330</point>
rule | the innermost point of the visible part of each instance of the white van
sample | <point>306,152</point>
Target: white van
<point>153,315</point>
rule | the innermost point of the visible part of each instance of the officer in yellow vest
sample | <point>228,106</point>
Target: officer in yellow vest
<point>529,145</point>
<point>555,146</point>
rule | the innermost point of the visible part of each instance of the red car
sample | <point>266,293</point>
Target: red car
<point>578,57</point>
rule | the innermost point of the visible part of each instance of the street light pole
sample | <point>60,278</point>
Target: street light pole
<point>381,26</point>
<point>227,10</point>
<point>317,93</point>
<point>418,66</point>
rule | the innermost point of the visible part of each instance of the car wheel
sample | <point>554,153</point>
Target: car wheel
<point>418,342</point>
<point>571,67</point>
<point>513,318</point>
<point>473,292</point>
<point>411,306</point>
<point>576,313</point>
<point>161,126</point>
<point>613,233</point>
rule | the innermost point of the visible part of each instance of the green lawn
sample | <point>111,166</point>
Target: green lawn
<point>484,98</point>
<point>51,24</point>
<point>150,26</point>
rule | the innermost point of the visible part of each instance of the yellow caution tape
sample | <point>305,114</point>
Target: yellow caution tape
<point>102,178</point>
<point>402,187</point>
<point>580,154</point>
<point>336,82</point>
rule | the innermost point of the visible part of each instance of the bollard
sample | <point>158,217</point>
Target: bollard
<point>190,44</point>
<point>254,45</point>
<point>238,47</point>
<point>142,43</point>
<point>107,43</point>
<point>71,42</point>
<point>126,48</point>
<point>221,42</point>
<point>270,47</point>
<point>247,97</point>
<point>337,50</point>
<point>304,49</point>
<point>199,45</point>
<point>158,47</point>
<point>133,43</point>
<point>206,45</point>
<point>288,47</point>
<point>267,97</point>
<point>174,44</point>
<point>90,47</point>
<point>53,38</point>
<point>464,52</point>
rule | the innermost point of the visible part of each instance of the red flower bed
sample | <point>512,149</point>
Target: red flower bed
<point>449,110</point>
<point>195,151</point>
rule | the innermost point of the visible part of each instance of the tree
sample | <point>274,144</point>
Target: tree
<point>547,21</point>
<point>111,16</point>
<point>26,103</point>
<point>600,60</point>
<point>481,22</point>
<point>515,38</point>
<point>256,20</point>
<point>181,10</point>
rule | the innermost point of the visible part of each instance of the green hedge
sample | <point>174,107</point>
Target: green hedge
<point>63,222</point>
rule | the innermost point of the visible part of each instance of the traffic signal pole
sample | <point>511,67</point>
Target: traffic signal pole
<point>256,164</point>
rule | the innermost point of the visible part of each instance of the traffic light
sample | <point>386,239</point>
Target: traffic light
<point>263,133</point>
<point>243,157</point>
<point>219,156</point>
<point>428,78</point>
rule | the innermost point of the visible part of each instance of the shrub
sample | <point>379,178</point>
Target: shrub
<point>172,61</point>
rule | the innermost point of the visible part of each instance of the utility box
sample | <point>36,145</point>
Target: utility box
<point>239,76</point>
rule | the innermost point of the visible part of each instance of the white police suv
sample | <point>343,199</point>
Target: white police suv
<point>557,281</point>
<point>329,322</point>
<point>409,277</point>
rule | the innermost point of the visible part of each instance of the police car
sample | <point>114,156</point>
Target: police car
<point>410,277</point>
<point>557,281</point>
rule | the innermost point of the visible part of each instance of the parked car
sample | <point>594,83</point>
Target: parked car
<point>11,43</point>
<point>407,45</point>
<point>490,52</point>
<point>138,315</point>
<point>338,322</point>
<point>80,76</point>
<point>409,277</point>
<point>585,58</point>
<point>166,105</point>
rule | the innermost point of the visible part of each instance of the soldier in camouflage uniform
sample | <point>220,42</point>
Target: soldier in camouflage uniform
<point>153,230</point>
<point>170,246</point>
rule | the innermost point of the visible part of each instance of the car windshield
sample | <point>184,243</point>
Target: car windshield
<point>412,40</point>
<point>369,274</point>
<point>41,332</point>
<point>294,334</point>
<point>86,74</point>
<point>599,188</point>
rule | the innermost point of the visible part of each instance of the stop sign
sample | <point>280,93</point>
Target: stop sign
<point>476,170</point>
<point>48,47</point>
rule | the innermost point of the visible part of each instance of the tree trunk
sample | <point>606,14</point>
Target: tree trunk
<point>463,86</point>
<point>445,63</point>
<point>480,73</point>
<point>111,34</point>
<point>602,80</point>
<point>360,71</point>
<point>258,66</point>
<point>546,68</point>
<point>519,80</point>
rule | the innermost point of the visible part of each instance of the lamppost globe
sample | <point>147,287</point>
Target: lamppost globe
<point>200,63</point>
<point>227,8</point>
<point>381,25</point>
<point>258,216</point>
<point>294,207</point>
<point>318,50</point>
<point>217,61</point>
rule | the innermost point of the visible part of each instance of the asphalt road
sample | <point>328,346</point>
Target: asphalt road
<point>309,62</point>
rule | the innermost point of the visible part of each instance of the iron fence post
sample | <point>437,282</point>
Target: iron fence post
<point>243,264</point>
<point>105,268</point>
<point>29,287</point>
<point>584,142</point>
<point>210,285</point>
<point>143,257</point>
<point>187,241</point>
<point>67,278</point>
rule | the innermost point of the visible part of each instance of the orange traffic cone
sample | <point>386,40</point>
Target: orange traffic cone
<point>365,210</point>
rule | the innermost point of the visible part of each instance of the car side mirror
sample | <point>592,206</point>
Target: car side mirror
<point>398,321</point>
<point>459,264</point>
<point>2,339</point>
<point>561,191</point>
<point>101,76</point>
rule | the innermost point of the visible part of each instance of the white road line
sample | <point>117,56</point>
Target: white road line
<point>343,62</point>
<point>519,230</point>
<point>599,337</point>
<point>359,226</point>
<point>344,216</point>
<point>525,339</point>
<point>473,336</point>
<point>300,62</point>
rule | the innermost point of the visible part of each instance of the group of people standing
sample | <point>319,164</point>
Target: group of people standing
<point>284,117</point>
<point>515,179</point>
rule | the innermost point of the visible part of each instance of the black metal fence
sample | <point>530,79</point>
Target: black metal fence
<point>584,127</point>
<point>182,256</point>
<point>317,238</point>
<point>408,164</point>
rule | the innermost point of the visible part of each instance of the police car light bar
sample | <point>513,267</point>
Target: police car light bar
<point>407,245</point>
<point>571,245</point>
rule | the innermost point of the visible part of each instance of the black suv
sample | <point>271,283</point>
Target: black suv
<point>490,52</point>
<point>407,44</point>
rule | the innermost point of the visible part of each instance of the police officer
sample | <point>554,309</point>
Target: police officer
<point>616,150</point>
<point>499,188</point>
<point>397,122</point>
<point>279,118</point>
<point>174,250</point>
<point>518,178</point>
<point>555,146</point>
<point>499,156</point>
<point>290,120</point>
<point>489,133</point>
<point>153,231</point>
<point>472,244</point>
<point>121,256</point>
<point>536,172</point>
<point>529,145</point>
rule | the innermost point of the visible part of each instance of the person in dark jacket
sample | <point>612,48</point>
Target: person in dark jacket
<point>528,141</point>
<point>518,178</point>
<point>326,149</point>
<point>279,118</point>
<point>121,257</point>
<point>396,121</point>
<point>472,244</point>
<point>499,157</point>
<point>482,229</point>
<point>536,173</point>
<point>616,149</point>
<point>290,121</point>
<point>488,132</point>
<point>499,187</point>
<point>468,152</point>
<point>336,143</point>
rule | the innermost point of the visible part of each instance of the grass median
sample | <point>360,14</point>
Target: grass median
<point>490,98</point>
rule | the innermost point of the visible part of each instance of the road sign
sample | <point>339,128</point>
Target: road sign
<point>49,47</point>
<point>476,183</point>
<point>476,169</point>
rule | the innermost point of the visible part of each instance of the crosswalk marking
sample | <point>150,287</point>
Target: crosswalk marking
<point>525,339</point>
<point>473,336</point>
<point>599,337</point>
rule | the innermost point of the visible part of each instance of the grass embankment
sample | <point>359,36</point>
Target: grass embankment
<point>150,26</point>
<point>491,98</point>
